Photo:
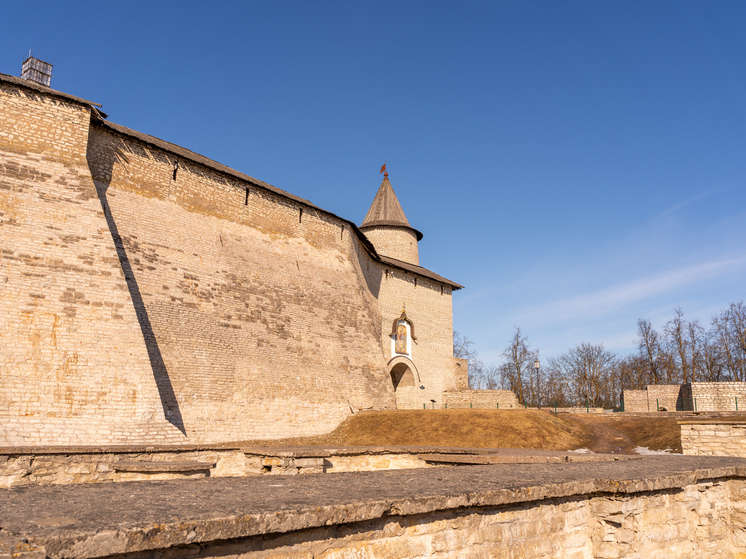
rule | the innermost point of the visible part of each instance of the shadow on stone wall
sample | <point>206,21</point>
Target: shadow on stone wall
<point>370,270</point>
<point>101,167</point>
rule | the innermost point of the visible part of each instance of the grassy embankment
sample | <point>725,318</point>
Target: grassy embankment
<point>499,429</point>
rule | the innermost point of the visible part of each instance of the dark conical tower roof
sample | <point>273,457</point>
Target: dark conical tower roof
<point>386,210</point>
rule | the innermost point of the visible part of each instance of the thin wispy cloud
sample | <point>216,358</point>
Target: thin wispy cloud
<point>676,208</point>
<point>605,301</point>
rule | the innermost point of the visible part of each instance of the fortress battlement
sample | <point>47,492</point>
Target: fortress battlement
<point>151,295</point>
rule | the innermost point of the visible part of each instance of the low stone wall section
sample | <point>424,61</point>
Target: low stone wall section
<point>665,397</point>
<point>63,466</point>
<point>576,410</point>
<point>661,506</point>
<point>656,397</point>
<point>715,396</point>
<point>482,399</point>
<point>635,401</point>
<point>713,438</point>
<point>32,466</point>
<point>686,415</point>
<point>695,396</point>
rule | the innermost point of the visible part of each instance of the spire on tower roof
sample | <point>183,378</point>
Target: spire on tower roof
<point>386,210</point>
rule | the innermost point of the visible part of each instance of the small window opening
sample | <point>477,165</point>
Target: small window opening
<point>442,290</point>
<point>415,282</point>
<point>246,199</point>
<point>176,168</point>
<point>387,274</point>
<point>300,216</point>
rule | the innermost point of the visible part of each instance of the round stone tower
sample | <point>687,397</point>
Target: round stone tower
<point>387,227</point>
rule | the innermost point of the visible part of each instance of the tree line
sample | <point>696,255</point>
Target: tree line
<point>682,351</point>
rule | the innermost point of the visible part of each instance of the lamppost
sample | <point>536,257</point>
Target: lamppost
<point>538,381</point>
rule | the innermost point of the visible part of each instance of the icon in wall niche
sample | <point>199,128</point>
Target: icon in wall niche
<point>402,335</point>
<point>401,339</point>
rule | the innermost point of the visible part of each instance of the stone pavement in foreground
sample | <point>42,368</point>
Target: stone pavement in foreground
<point>94,519</point>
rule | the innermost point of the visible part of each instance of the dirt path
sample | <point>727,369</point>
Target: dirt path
<point>604,438</point>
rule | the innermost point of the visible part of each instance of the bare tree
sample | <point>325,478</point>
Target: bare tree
<point>684,342</point>
<point>481,376</point>
<point>675,332</point>
<point>713,363</point>
<point>516,370</point>
<point>649,346</point>
<point>697,338</point>
<point>492,378</point>
<point>730,335</point>
<point>462,346</point>
<point>631,372</point>
<point>555,386</point>
<point>588,368</point>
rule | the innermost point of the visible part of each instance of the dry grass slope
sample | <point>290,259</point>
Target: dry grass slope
<point>457,428</point>
<point>655,434</point>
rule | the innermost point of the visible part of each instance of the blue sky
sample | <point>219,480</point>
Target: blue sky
<point>576,165</point>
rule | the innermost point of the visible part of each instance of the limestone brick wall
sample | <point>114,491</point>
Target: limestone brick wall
<point>140,308</point>
<point>700,520</point>
<point>395,242</point>
<point>258,305</point>
<point>428,306</point>
<point>147,297</point>
<point>664,397</point>
<point>119,424</point>
<point>635,400</point>
<point>695,396</point>
<point>715,396</point>
<point>489,399</point>
<point>51,128</point>
<point>461,373</point>
<point>725,438</point>
<point>73,365</point>
<point>657,397</point>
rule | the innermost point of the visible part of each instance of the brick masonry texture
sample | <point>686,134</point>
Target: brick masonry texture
<point>427,303</point>
<point>695,396</point>
<point>71,344</point>
<point>713,438</point>
<point>635,400</point>
<point>146,297</point>
<point>488,399</point>
<point>715,396</point>
<point>396,242</point>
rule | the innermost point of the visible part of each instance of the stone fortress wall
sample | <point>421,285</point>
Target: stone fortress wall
<point>695,396</point>
<point>149,294</point>
<point>66,319</point>
<point>428,306</point>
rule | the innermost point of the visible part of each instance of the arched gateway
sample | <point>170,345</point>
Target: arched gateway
<point>406,381</point>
